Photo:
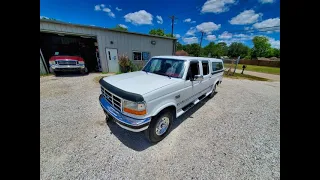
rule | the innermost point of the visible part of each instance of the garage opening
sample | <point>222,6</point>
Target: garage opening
<point>71,45</point>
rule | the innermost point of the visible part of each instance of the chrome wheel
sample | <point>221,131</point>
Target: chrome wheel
<point>162,126</point>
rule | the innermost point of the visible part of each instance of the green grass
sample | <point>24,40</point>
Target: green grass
<point>245,76</point>
<point>44,75</point>
<point>262,69</point>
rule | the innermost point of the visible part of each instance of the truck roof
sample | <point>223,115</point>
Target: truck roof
<point>189,58</point>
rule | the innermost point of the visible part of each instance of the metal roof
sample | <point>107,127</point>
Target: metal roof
<point>103,28</point>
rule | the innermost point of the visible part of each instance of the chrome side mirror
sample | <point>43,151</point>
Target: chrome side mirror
<point>198,78</point>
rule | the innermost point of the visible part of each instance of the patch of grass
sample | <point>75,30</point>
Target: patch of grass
<point>104,72</point>
<point>262,69</point>
<point>245,76</point>
<point>97,79</point>
<point>119,72</point>
<point>44,75</point>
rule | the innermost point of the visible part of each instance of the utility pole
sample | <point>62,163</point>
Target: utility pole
<point>172,23</point>
<point>200,42</point>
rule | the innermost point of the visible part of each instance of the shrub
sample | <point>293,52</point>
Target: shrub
<point>124,61</point>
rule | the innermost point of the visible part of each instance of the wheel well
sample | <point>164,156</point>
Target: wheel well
<point>171,108</point>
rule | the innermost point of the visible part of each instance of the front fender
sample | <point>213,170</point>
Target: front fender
<point>161,106</point>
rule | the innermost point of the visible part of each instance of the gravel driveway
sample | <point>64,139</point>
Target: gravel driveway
<point>235,135</point>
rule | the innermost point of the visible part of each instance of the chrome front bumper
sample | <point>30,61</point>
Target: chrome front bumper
<point>131,124</point>
<point>66,67</point>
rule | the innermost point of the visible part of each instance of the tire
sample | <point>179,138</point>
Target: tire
<point>154,133</point>
<point>84,71</point>
<point>213,91</point>
<point>56,73</point>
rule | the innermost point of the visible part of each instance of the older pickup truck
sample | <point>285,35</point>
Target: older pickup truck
<point>167,86</point>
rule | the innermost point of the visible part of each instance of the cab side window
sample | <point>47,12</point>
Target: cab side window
<point>193,70</point>
<point>205,67</point>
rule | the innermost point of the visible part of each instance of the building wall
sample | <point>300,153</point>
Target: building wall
<point>124,42</point>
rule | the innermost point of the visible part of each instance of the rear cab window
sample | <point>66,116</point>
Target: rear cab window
<point>217,67</point>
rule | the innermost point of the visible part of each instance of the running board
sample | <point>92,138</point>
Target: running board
<point>190,105</point>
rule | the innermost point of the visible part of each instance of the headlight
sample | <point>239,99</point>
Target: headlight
<point>52,62</point>
<point>81,63</point>
<point>134,107</point>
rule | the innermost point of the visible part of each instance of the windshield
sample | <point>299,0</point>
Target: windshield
<point>166,67</point>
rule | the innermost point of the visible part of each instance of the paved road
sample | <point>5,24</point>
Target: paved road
<point>234,135</point>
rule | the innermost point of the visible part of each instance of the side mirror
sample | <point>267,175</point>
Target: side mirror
<point>198,78</point>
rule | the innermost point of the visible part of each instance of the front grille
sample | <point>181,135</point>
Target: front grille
<point>70,62</point>
<point>114,100</point>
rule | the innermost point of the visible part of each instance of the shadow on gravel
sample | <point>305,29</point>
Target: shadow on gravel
<point>70,74</point>
<point>137,140</point>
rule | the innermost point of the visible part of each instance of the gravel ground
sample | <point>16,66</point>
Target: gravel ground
<point>235,135</point>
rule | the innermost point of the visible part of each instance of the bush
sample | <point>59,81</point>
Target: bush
<point>124,61</point>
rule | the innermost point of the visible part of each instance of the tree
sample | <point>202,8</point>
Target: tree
<point>119,28</point>
<point>238,49</point>
<point>179,46</point>
<point>220,49</point>
<point>208,49</point>
<point>276,52</point>
<point>261,46</point>
<point>158,32</point>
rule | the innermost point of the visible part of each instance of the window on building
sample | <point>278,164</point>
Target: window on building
<point>138,56</point>
<point>216,66</point>
<point>205,67</point>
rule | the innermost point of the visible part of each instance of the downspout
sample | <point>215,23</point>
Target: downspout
<point>174,46</point>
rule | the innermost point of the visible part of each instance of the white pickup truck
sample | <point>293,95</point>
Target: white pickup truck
<point>167,86</point>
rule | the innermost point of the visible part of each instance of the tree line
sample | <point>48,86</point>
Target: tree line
<point>261,48</point>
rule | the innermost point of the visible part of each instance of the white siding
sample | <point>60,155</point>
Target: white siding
<point>124,42</point>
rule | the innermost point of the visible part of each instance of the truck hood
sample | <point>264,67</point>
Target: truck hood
<point>139,82</point>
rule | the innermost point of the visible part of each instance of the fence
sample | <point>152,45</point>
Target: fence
<point>255,62</point>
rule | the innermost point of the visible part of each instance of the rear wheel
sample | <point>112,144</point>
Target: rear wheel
<point>213,91</point>
<point>159,126</point>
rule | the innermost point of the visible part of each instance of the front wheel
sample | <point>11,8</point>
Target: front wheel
<point>159,126</point>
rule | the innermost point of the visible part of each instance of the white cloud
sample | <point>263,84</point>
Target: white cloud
<point>187,20</point>
<point>246,28</point>
<point>118,9</point>
<point>191,31</point>
<point>266,1</point>
<point>245,17</point>
<point>97,8</point>
<point>274,43</point>
<point>211,38</point>
<point>123,26</point>
<point>102,7</point>
<point>139,17</point>
<point>225,35</point>
<point>268,23</point>
<point>106,10</point>
<point>177,36</point>
<point>208,27</point>
<point>190,40</point>
<point>111,14</point>
<point>216,6</point>
<point>159,19</point>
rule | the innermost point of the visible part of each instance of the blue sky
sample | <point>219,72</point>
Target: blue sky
<point>220,20</point>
